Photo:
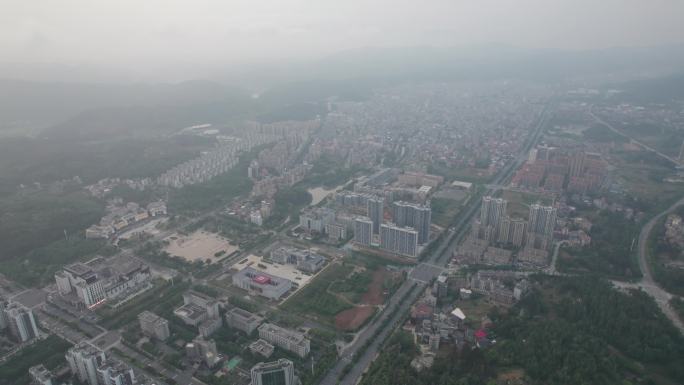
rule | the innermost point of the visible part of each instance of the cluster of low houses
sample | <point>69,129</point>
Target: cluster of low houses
<point>433,324</point>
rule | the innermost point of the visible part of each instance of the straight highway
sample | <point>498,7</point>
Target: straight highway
<point>360,355</point>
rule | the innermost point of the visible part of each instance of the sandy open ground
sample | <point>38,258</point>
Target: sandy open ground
<point>200,245</point>
<point>319,193</point>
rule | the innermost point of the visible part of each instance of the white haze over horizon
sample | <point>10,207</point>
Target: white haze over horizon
<point>184,39</point>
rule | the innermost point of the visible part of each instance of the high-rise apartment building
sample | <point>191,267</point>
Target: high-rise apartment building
<point>413,215</point>
<point>492,211</point>
<point>375,210</point>
<point>517,231</point>
<point>542,219</point>
<point>363,231</point>
<point>400,240</point>
<point>84,359</point>
<point>154,326</point>
<point>20,321</point>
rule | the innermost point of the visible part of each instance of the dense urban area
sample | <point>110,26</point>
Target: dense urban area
<point>494,232</point>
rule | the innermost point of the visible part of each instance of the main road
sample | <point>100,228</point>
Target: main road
<point>631,139</point>
<point>647,283</point>
<point>419,278</point>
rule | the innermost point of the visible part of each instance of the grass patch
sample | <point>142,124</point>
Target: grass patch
<point>519,202</point>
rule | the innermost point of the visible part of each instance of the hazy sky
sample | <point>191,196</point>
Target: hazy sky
<point>152,35</point>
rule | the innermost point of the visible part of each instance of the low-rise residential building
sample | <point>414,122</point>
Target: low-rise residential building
<point>262,348</point>
<point>40,375</point>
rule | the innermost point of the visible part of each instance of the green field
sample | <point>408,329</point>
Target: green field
<point>353,287</point>
<point>314,301</point>
<point>519,202</point>
<point>642,174</point>
<point>49,352</point>
<point>444,210</point>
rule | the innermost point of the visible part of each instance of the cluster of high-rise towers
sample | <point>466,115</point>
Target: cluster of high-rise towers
<point>409,228</point>
<point>495,226</point>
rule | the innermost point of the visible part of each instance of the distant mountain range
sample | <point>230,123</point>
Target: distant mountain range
<point>95,110</point>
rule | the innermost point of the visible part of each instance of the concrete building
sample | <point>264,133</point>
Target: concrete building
<point>304,260</point>
<point>207,327</point>
<point>374,211</point>
<point>413,215</point>
<point>363,231</point>
<point>399,240</point>
<point>492,211</point>
<point>256,218</point>
<point>336,231</point>
<point>262,348</point>
<point>156,208</point>
<point>40,375</point>
<point>21,322</point>
<point>102,279</point>
<point>113,372</point>
<point>542,219</point>
<point>289,340</point>
<point>420,179</point>
<point>243,320</point>
<point>84,359</point>
<point>3,317</point>
<point>153,325</point>
<point>279,372</point>
<point>81,279</point>
<point>266,285</point>
<point>203,350</point>
<point>316,219</point>
<point>197,308</point>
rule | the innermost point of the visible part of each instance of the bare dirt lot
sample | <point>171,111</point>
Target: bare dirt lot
<point>352,319</point>
<point>200,245</point>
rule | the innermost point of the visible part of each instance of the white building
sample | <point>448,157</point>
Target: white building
<point>153,325</point>
<point>399,240</point>
<point>289,340</point>
<point>20,321</point>
<point>84,359</point>
<point>363,231</point>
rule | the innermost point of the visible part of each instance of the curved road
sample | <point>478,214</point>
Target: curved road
<point>647,283</point>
